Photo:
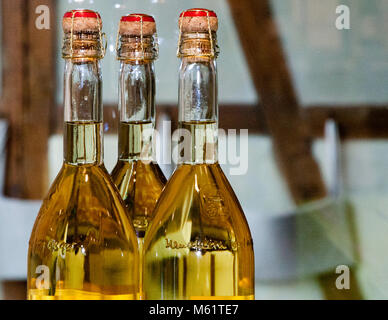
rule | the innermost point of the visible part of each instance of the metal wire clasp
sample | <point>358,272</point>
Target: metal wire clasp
<point>212,52</point>
<point>100,33</point>
<point>156,40</point>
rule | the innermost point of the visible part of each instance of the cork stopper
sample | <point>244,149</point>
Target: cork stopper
<point>83,36</point>
<point>198,20</point>
<point>137,40</point>
<point>137,24</point>
<point>197,37</point>
<point>81,20</point>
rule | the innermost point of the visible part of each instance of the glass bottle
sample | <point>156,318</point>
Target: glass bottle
<point>137,174</point>
<point>83,246</point>
<point>199,244</point>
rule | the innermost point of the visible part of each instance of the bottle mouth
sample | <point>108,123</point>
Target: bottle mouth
<point>198,12</point>
<point>81,20</point>
<point>136,38</point>
<point>137,17</point>
<point>83,36</point>
<point>82,13</point>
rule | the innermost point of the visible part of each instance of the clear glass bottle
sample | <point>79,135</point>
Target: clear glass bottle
<point>137,174</point>
<point>199,245</point>
<point>83,246</point>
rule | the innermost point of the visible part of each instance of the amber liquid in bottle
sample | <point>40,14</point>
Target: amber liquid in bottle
<point>83,246</point>
<point>138,178</point>
<point>137,174</point>
<point>199,244</point>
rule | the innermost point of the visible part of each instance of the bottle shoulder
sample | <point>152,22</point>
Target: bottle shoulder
<point>87,181</point>
<point>83,197</point>
<point>206,180</point>
<point>126,174</point>
<point>140,185</point>
<point>200,196</point>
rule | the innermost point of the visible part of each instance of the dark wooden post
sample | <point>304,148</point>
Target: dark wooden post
<point>269,71</point>
<point>27,95</point>
<point>290,136</point>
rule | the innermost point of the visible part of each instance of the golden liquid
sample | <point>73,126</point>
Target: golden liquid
<point>71,294</point>
<point>139,180</point>
<point>83,245</point>
<point>199,245</point>
<point>201,145</point>
<point>135,140</point>
<point>83,142</point>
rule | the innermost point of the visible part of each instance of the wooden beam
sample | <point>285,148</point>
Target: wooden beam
<point>231,117</point>
<point>354,122</point>
<point>289,130</point>
<point>14,89</point>
<point>14,290</point>
<point>28,95</point>
<point>269,71</point>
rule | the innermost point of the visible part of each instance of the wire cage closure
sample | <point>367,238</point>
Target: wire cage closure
<point>101,35</point>
<point>213,46</point>
<point>143,53</point>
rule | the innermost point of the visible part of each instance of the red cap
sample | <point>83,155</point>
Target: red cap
<point>137,17</point>
<point>198,12</point>
<point>82,13</point>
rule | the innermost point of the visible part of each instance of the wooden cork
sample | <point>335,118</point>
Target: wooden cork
<point>198,20</point>
<point>136,24</point>
<point>202,47</point>
<point>86,25</point>
<point>81,20</point>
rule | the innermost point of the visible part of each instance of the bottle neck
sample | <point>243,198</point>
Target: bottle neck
<point>198,106</point>
<point>137,109</point>
<point>83,138</point>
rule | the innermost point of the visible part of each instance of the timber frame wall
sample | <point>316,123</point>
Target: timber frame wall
<point>28,103</point>
<point>27,95</point>
<point>28,100</point>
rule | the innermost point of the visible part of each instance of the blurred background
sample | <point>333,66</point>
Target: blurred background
<point>312,96</point>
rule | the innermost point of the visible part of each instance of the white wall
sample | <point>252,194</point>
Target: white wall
<point>330,66</point>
